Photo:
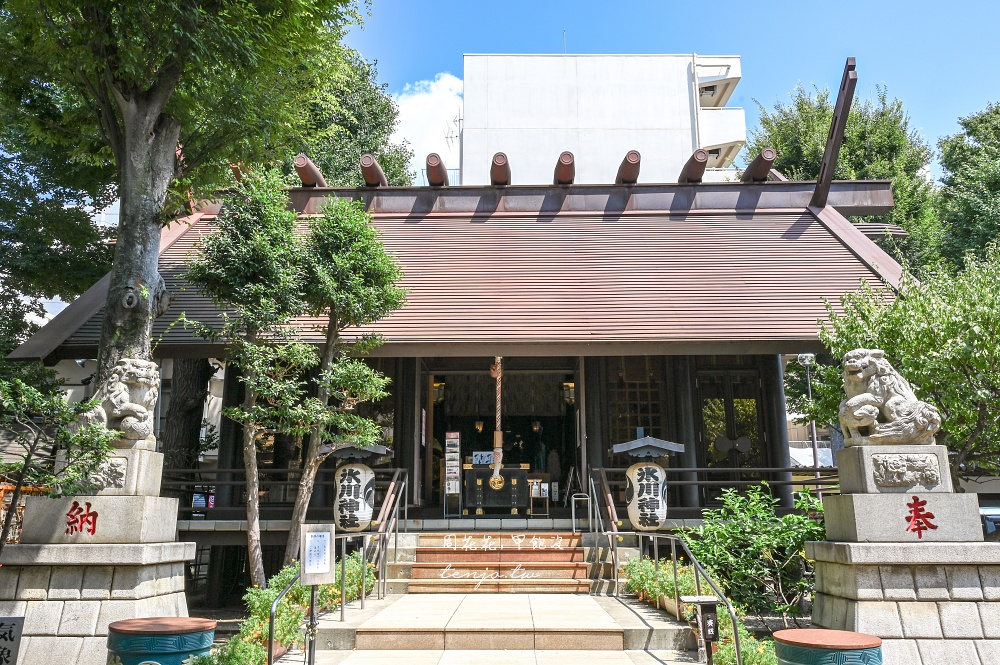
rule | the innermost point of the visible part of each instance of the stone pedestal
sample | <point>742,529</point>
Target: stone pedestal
<point>87,561</point>
<point>905,560</point>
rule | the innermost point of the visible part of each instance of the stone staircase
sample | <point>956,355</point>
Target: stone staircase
<point>469,597</point>
<point>498,562</point>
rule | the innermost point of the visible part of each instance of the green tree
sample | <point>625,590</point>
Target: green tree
<point>356,116</point>
<point>250,269</point>
<point>40,423</point>
<point>135,85</point>
<point>878,144</point>
<point>49,244</point>
<point>943,336</point>
<point>351,280</point>
<point>970,197</point>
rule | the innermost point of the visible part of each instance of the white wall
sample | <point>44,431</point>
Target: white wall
<point>533,107</point>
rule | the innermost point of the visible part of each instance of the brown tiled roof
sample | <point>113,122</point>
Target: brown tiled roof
<point>594,282</point>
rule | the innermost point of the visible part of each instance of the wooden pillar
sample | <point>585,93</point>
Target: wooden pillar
<point>776,423</point>
<point>406,433</point>
<point>686,405</point>
<point>230,446</point>
<point>428,438</point>
<point>595,411</point>
<point>579,412</point>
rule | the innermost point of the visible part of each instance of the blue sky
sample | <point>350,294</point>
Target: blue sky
<point>939,58</point>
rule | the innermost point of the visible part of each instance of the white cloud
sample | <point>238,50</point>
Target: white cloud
<point>427,115</point>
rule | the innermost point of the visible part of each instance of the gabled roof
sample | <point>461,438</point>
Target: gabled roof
<point>592,269</point>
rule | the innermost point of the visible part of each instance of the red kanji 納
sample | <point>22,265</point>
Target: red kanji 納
<point>80,519</point>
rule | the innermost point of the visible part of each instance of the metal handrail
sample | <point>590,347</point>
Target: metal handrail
<point>313,621</point>
<point>274,611</point>
<point>596,504</point>
<point>581,496</point>
<point>389,526</point>
<point>699,570</point>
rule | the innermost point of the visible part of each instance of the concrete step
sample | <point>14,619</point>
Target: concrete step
<point>505,657</point>
<point>504,622</point>
<point>490,540</point>
<point>446,554</point>
<point>485,639</point>
<point>492,585</point>
<point>593,587</point>
<point>510,570</point>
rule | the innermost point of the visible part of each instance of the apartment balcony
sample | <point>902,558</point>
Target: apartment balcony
<point>721,131</point>
<point>718,77</point>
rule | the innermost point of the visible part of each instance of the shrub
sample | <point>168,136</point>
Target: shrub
<point>649,582</point>
<point>757,557</point>
<point>249,645</point>
<point>755,651</point>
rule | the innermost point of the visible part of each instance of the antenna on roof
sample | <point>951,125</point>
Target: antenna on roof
<point>564,41</point>
<point>453,129</point>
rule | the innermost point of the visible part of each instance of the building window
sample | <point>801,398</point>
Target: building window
<point>635,399</point>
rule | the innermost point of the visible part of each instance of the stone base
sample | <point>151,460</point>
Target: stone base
<point>120,520</point>
<point>894,469</point>
<point>70,594</point>
<point>132,472</point>
<point>931,603</point>
<point>883,518</point>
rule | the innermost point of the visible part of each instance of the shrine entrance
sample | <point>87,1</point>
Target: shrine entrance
<point>538,418</point>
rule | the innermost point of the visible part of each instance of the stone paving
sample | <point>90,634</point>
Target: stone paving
<point>446,629</point>
<point>547,657</point>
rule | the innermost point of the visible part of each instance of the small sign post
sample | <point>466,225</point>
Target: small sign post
<point>708,621</point>
<point>316,566</point>
<point>316,554</point>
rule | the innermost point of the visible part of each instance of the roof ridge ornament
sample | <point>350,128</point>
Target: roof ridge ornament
<point>437,172</point>
<point>565,172</point>
<point>694,168</point>
<point>372,172</point>
<point>500,170</point>
<point>845,97</point>
<point>759,169</point>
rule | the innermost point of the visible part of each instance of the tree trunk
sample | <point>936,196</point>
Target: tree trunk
<point>16,497</point>
<point>182,430</point>
<point>254,552</point>
<point>306,485</point>
<point>313,460</point>
<point>146,156</point>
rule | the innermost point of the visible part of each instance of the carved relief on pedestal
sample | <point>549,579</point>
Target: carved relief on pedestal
<point>906,470</point>
<point>126,403</point>
<point>112,473</point>
<point>881,408</point>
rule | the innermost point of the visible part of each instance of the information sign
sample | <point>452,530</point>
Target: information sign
<point>317,554</point>
<point>452,462</point>
<point>482,457</point>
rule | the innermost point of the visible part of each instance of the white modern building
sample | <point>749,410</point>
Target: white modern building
<point>599,107</point>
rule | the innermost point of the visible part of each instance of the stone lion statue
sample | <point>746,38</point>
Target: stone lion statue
<point>127,399</point>
<point>881,408</point>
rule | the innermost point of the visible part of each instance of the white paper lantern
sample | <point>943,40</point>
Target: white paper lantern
<point>646,495</point>
<point>355,501</point>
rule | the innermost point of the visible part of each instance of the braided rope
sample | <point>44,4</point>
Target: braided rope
<point>498,364</point>
<point>496,480</point>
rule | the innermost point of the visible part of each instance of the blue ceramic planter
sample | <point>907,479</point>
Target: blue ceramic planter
<point>826,647</point>
<point>167,641</point>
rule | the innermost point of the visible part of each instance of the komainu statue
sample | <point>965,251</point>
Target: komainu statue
<point>126,402</point>
<point>881,408</point>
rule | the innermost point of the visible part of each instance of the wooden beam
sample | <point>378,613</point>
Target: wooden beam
<point>840,112</point>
